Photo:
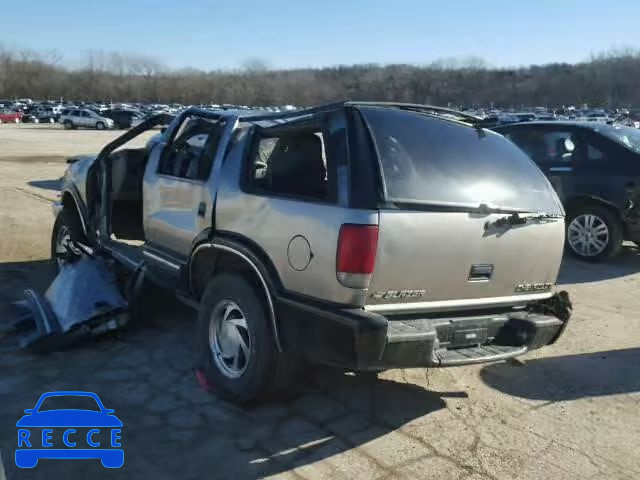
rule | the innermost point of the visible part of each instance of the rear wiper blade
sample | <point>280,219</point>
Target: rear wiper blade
<point>484,208</point>
<point>517,219</point>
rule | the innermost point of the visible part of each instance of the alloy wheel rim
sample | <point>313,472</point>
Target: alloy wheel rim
<point>229,339</point>
<point>588,235</point>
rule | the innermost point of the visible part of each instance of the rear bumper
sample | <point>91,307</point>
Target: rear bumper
<point>353,338</point>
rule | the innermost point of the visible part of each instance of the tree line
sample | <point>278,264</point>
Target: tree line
<point>606,80</point>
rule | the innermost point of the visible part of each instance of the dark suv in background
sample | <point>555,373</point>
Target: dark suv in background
<point>595,169</point>
<point>122,118</point>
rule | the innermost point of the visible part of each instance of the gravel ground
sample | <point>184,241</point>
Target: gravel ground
<point>568,411</point>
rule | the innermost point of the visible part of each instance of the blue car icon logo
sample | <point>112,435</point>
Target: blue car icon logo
<point>53,430</point>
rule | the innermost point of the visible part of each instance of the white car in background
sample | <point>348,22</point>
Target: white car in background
<point>85,118</point>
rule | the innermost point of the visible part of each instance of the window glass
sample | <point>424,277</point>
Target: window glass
<point>594,153</point>
<point>561,146</point>
<point>431,161</point>
<point>626,136</point>
<point>293,163</point>
<point>193,150</point>
<point>544,146</point>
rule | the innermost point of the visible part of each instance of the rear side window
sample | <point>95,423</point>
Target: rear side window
<point>546,146</point>
<point>290,163</point>
<point>431,161</point>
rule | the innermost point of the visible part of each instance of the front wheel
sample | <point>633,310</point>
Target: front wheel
<point>99,126</point>
<point>236,355</point>
<point>68,125</point>
<point>594,233</point>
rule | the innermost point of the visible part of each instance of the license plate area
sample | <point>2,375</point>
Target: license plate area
<point>472,336</point>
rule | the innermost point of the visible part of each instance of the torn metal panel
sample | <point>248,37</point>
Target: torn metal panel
<point>83,290</point>
<point>84,299</point>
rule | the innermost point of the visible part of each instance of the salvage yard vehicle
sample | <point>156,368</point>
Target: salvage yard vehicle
<point>360,235</point>
<point>83,117</point>
<point>595,169</point>
<point>9,116</point>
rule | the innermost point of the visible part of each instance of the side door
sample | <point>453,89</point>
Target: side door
<point>74,116</point>
<point>86,119</point>
<point>610,169</point>
<point>557,150</point>
<point>562,159</point>
<point>179,190</point>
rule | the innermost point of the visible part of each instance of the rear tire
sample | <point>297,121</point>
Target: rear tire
<point>236,355</point>
<point>594,233</point>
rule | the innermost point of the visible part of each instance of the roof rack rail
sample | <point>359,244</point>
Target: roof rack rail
<point>252,116</point>
<point>327,107</point>
<point>420,108</point>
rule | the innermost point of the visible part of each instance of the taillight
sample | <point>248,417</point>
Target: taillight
<point>356,255</point>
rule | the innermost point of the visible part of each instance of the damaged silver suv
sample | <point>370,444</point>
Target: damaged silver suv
<point>361,235</point>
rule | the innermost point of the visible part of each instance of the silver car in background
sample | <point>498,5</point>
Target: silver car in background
<point>72,118</point>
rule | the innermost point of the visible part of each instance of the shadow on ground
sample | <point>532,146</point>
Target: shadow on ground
<point>47,184</point>
<point>568,377</point>
<point>577,271</point>
<point>16,276</point>
<point>173,429</point>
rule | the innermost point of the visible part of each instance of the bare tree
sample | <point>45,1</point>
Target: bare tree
<point>608,79</point>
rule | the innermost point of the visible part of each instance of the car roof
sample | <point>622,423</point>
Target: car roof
<point>269,118</point>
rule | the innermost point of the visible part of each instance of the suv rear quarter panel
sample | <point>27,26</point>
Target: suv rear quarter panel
<point>276,225</point>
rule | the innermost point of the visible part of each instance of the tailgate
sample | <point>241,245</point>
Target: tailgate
<point>450,260</point>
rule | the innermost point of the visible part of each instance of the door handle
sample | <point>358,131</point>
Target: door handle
<point>202,209</point>
<point>561,169</point>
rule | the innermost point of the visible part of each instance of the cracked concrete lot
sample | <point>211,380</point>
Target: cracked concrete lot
<point>568,411</point>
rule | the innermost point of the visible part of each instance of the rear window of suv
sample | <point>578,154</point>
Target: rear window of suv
<point>432,161</point>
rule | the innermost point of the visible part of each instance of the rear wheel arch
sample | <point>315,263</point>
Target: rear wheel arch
<point>218,256</point>
<point>580,201</point>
